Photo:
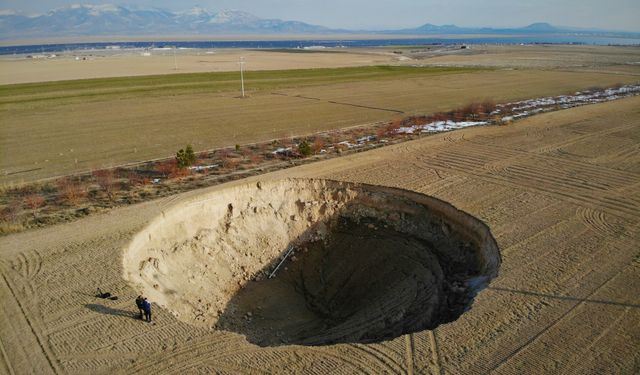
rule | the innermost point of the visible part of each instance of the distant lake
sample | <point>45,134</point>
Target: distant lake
<point>280,44</point>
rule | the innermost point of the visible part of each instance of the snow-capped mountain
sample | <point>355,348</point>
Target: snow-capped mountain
<point>108,19</point>
<point>535,28</point>
<point>233,17</point>
<point>85,20</point>
<point>117,20</point>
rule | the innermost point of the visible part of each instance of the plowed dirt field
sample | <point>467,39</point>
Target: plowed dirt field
<point>559,191</point>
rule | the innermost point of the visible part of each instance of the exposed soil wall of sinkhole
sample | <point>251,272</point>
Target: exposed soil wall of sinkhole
<point>313,262</point>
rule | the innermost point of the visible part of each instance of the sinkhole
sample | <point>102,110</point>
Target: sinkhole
<point>313,262</point>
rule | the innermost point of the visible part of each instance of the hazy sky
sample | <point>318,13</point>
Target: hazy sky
<point>611,14</point>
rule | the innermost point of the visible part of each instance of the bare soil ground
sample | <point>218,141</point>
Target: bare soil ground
<point>50,131</point>
<point>559,192</point>
<point>101,64</point>
<point>530,56</point>
<point>121,63</point>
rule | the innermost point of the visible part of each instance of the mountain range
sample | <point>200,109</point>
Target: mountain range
<point>117,20</point>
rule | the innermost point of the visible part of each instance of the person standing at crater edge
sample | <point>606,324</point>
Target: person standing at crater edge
<point>140,305</point>
<point>146,306</point>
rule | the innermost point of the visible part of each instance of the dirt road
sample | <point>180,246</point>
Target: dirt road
<point>559,192</point>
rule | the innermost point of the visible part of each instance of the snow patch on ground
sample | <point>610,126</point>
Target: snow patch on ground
<point>534,106</point>
<point>517,110</point>
<point>439,126</point>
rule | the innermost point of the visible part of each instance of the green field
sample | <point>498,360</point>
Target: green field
<point>207,82</point>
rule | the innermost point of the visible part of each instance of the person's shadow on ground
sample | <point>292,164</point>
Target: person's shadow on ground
<point>109,311</point>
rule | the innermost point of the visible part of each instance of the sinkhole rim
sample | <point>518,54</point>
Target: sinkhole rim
<point>168,283</point>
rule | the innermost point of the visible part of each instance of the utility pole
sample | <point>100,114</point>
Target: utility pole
<point>242,74</point>
<point>175,61</point>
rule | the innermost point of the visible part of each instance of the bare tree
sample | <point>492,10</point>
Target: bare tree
<point>167,168</point>
<point>11,212</point>
<point>71,191</point>
<point>34,202</point>
<point>107,182</point>
<point>318,144</point>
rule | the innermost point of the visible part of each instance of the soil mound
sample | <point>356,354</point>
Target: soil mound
<point>314,262</point>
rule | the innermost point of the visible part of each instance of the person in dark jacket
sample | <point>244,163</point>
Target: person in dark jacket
<point>146,306</point>
<point>139,303</point>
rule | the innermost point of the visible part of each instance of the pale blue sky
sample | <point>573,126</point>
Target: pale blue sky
<point>611,14</point>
